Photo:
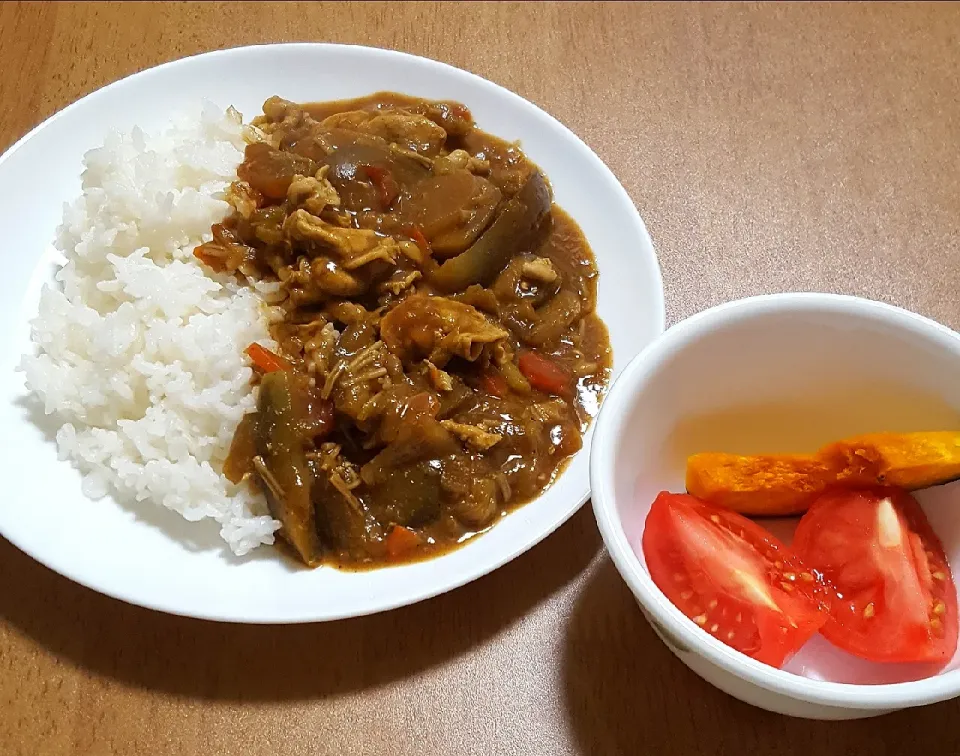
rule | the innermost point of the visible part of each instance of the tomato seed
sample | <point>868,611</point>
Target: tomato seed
<point>739,617</point>
<point>938,576</point>
<point>700,619</point>
<point>789,576</point>
<point>715,519</point>
<point>939,607</point>
<point>730,635</point>
<point>936,624</point>
<point>686,595</point>
<point>712,604</point>
<point>786,586</point>
<point>714,628</point>
<point>868,610</point>
<point>806,577</point>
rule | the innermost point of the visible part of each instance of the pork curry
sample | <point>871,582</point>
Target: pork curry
<point>437,352</point>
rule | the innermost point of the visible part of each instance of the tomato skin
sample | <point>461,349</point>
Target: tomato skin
<point>733,578</point>
<point>896,597</point>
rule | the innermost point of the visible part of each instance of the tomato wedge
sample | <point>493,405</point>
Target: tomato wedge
<point>733,578</point>
<point>896,597</point>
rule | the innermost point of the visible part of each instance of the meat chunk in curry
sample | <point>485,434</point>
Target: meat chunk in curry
<point>437,357</point>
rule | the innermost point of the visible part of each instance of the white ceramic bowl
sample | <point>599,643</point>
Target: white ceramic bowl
<point>154,558</point>
<point>782,373</point>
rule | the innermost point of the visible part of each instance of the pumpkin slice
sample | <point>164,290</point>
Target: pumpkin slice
<point>772,484</point>
<point>905,460</point>
<point>784,484</point>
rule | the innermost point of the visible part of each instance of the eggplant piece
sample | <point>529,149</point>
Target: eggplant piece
<point>270,171</point>
<point>281,465</point>
<point>350,161</point>
<point>509,233</point>
<point>342,524</point>
<point>451,210</point>
<point>422,440</point>
<point>479,506</point>
<point>408,495</point>
<point>554,318</point>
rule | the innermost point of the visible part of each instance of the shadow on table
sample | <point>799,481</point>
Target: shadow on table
<point>626,693</point>
<point>195,658</point>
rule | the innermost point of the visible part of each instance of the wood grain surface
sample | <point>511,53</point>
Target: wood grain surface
<point>768,147</point>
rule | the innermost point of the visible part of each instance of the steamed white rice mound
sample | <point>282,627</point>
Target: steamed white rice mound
<point>140,348</point>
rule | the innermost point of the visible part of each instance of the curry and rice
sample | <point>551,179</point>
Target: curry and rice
<point>371,331</point>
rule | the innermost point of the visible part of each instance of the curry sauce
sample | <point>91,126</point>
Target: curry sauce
<point>438,354</point>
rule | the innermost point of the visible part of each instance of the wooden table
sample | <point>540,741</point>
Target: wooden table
<point>769,148</point>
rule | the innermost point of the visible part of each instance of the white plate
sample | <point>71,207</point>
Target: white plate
<point>154,558</point>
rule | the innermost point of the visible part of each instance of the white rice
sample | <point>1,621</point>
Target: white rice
<point>140,349</point>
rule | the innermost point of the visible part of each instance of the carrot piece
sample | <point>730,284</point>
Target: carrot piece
<point>400,541</point>
<point>266,360</point>
<point>211,261</point>
<point>544,374</point>
<point>494,383</point>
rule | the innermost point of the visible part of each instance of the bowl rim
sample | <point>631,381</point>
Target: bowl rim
<point>609,427</point>
<point>579,492</point>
